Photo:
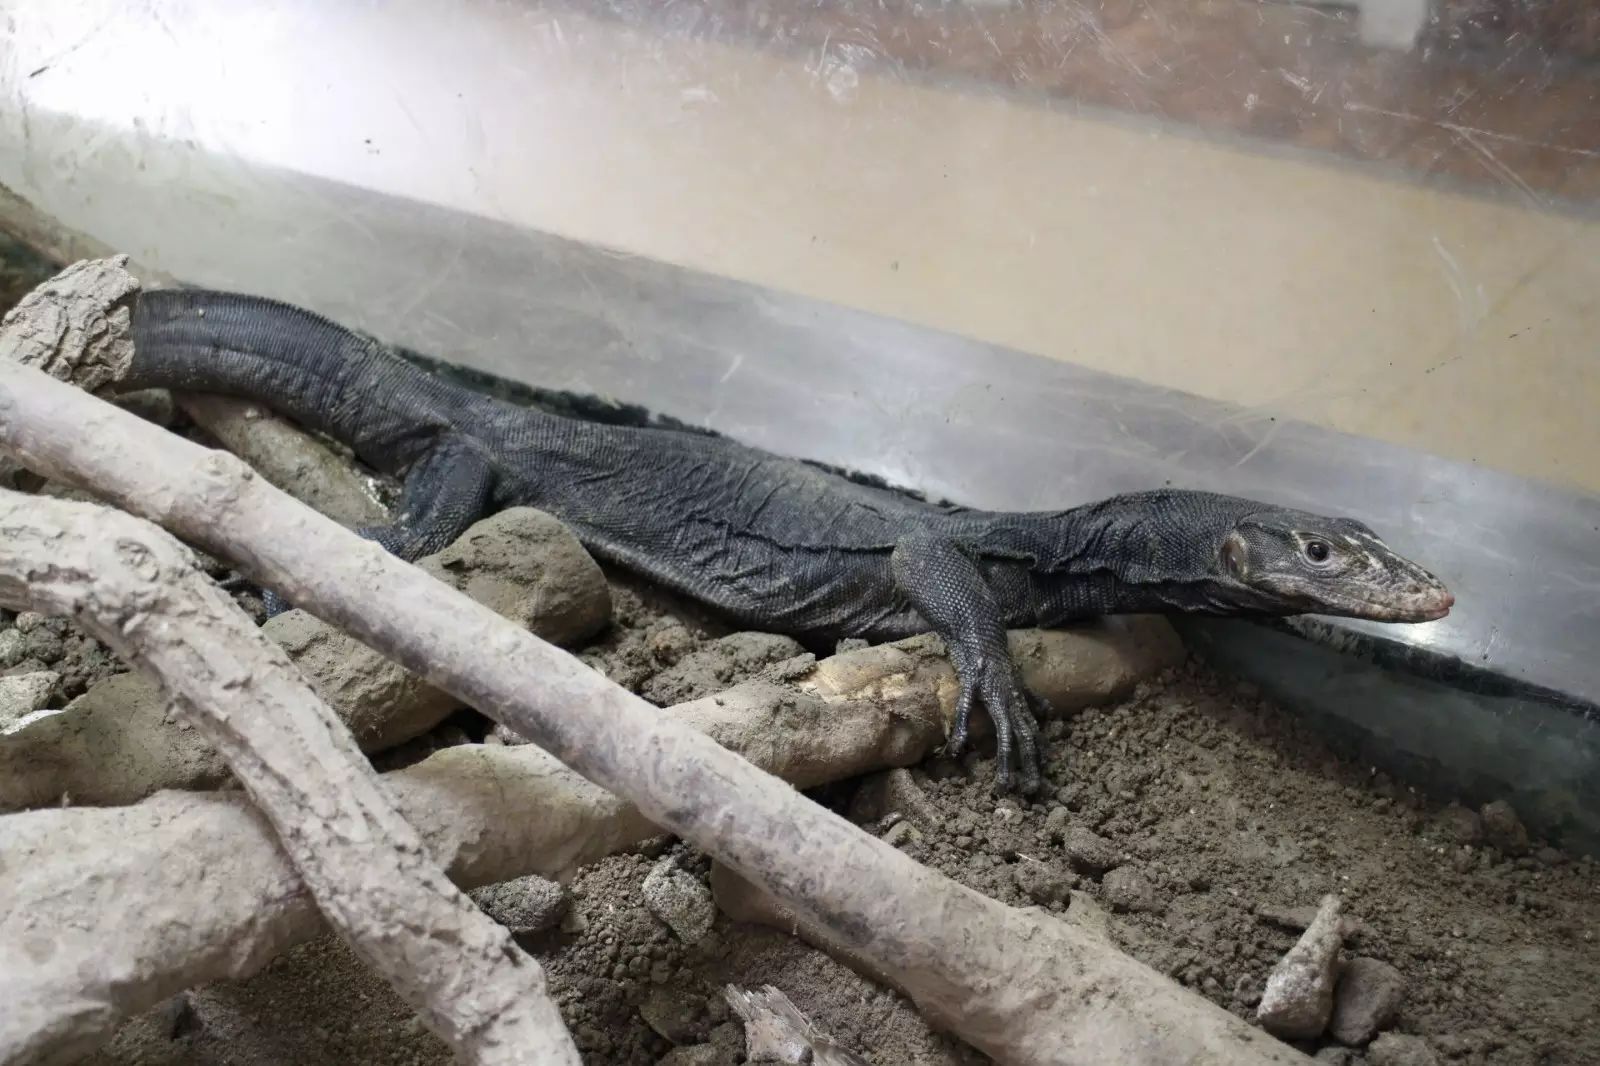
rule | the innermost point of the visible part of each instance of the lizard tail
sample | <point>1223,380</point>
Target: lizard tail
<point>293,361</point>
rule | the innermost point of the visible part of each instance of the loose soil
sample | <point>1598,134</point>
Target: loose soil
<point>1226,820</point>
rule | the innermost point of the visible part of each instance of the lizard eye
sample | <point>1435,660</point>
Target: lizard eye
<point>1317,551</point>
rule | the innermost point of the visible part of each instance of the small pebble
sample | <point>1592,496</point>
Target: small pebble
<point>13,648</point>
<point>1056,823</point>
<point>152,405</point>
<point>1126,889</point>
<point>680,900</point>
<point>523,905</point>
<point>176,1017</point>
<point>28,621</point>
<point>1366,999</point>
<point>1088,852</point>
<point>1042,882</point>
<point>673,1013</point>
<point>22,694</point>
<point>729,1038</point>
<point>1459,825</point>
<point>1503,829</point>
<point>45,645</point>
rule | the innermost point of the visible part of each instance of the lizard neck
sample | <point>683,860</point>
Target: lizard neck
<point>1141,552</point>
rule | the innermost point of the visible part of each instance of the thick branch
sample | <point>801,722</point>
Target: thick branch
<point>131,585</point>
<point>1004,984</point>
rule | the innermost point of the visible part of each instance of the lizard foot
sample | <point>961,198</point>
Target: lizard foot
<point>1016,732</point>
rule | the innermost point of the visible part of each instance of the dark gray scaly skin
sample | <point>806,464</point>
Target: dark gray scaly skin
<point>775,543</point>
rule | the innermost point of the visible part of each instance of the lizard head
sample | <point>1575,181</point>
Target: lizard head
<point>1309,564</point>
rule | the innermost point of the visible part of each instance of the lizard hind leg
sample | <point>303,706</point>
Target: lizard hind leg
<point>446,491</point>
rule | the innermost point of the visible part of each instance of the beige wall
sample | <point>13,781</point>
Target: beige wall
<point>1447,322</point>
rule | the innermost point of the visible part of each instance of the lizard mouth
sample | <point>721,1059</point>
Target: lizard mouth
<point>1428,605</point>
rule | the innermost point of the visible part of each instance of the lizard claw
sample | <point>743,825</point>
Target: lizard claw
<point>1016,732</point>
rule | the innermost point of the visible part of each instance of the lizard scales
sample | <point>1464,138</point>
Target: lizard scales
<point>776,543</point>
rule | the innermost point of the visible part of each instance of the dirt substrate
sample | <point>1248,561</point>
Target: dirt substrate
<point>1196,822</point>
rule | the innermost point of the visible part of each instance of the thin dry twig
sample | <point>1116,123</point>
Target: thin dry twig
<point>776,1031</point>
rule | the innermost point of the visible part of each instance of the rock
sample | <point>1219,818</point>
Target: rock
<point>1366,999</point>
<point>176,1017</point>
<point>45,645</point>
<point>152,405</point>
<point>1042,882</point>
<point>1056,823</point>
<point>28,621</point>
<point>1088,852</point>
<point>1126,889</point>
<point>287,457</point>
<point>525,905</point>
<point>13,648</point>
<point>1502,828</point>
<point>893,792</point>
<point>23,694</point>
<point>673,1013</point>
<point>1398,1049</point>
<point>1298,999</point>
<point>680,900</point>
<point>1458,825</point>
<point>900,832</point>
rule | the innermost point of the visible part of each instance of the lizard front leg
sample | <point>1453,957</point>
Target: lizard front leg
<point>446,491</point>
<point>945,585</point>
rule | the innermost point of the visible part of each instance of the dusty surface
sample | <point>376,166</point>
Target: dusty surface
<point>1195,821</point>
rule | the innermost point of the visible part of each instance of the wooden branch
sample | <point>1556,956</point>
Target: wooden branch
<point>1021,986</point>
<point>132,585</point>
<point>188,888</point>
<point>776,1031</point>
